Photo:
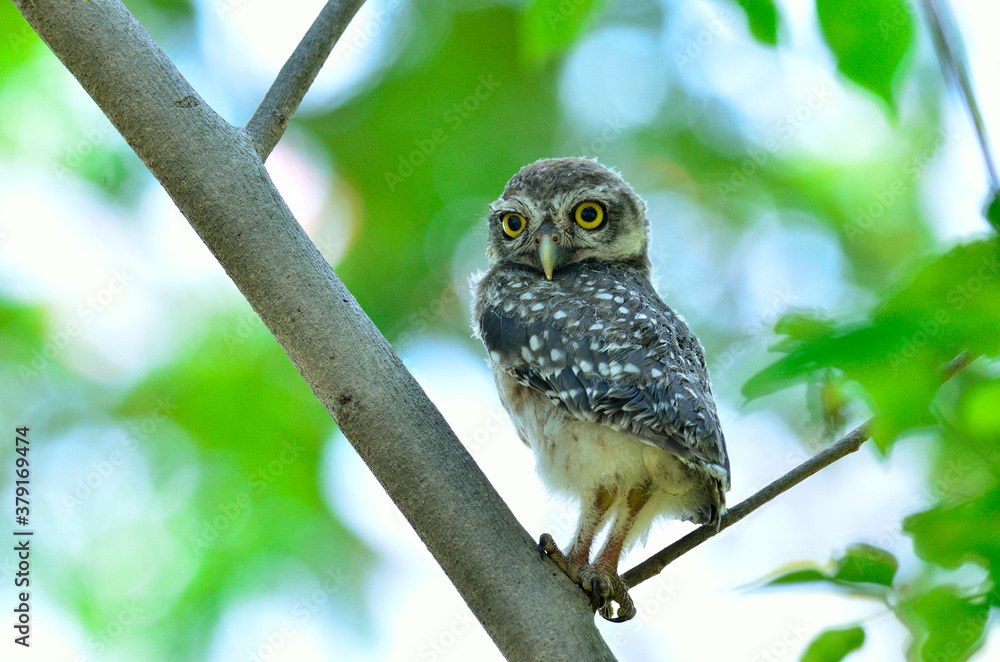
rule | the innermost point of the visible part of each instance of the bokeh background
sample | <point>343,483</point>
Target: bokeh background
<point>813,190</point>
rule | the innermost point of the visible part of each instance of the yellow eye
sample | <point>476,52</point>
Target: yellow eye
<point>513,223</point>
<point>589,215</point>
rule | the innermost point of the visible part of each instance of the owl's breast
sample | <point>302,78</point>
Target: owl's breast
<point>574,456</point>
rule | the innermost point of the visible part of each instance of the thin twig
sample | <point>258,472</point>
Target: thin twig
<point>843,447</point>
<point>955,67</point>
<point>281,101</point>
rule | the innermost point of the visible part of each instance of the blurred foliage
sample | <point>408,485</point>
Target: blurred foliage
<point>465,94</point>
<point>20,42</point>
<point>166,15</point>
<point>948,306</point>
<point>763,19</point>
<point>862,565</point>
<point>22,328</point>
<point>945,624</point>
<point>834,645</point>
<point>992,212</point>
<point>428,121</point>
<point>259,430</point>
<point>548,27</point>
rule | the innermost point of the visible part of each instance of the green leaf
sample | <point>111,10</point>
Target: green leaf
<point>801,326</point>
<point>23,327</point>
<point>800,577</point>
<point>946,626</point>
<point>950,535</point>
<point>869,38</point>
<point>977,413</point>
<point>763,19</point>
<point>834,645</point>
<point>867,564</point>
<point>862,564</point>
<point>950,304</point>
<point>549,27</point>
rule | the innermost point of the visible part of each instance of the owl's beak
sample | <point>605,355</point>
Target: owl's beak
<point>548,253</point>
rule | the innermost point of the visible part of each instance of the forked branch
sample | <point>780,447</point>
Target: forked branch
<point>281,101</point>
<point>214,173</point>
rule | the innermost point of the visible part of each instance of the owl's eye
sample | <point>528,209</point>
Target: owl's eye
<point>589,215</point>
<point>513,223</point>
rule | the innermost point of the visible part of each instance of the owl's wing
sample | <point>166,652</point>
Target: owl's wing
<point>627,362</point>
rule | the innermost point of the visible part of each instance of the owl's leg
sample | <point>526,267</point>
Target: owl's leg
<point>592,516</point>
<point>607,584</point>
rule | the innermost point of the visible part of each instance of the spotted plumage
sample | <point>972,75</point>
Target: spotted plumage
<point>603,381</point>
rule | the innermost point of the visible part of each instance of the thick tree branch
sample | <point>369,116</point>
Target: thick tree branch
<point>214,173</point>
<point>281,101</point>
<point>843,447</point>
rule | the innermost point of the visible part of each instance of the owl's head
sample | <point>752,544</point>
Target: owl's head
<point>557,212</point>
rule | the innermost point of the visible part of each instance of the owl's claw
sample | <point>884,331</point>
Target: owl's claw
<point>604,587</point>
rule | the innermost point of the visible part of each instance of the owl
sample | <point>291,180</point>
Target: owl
<point>602,380</point>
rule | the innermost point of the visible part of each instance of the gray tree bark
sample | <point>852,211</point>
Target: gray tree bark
<point>215,174</point>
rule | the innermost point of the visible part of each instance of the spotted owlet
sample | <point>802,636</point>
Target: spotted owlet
<point>603,381</point>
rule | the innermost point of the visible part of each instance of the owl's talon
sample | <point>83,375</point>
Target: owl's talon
<point>626,608</point>
<point>600,590</point>
<point>605,589</point>
<point>597,601</point>
<point>547,545</point>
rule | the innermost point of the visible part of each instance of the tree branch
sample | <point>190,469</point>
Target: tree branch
<point>213,173</point>
<point>955,67</point>
<point>843,447</point>
<point>281,101</point>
